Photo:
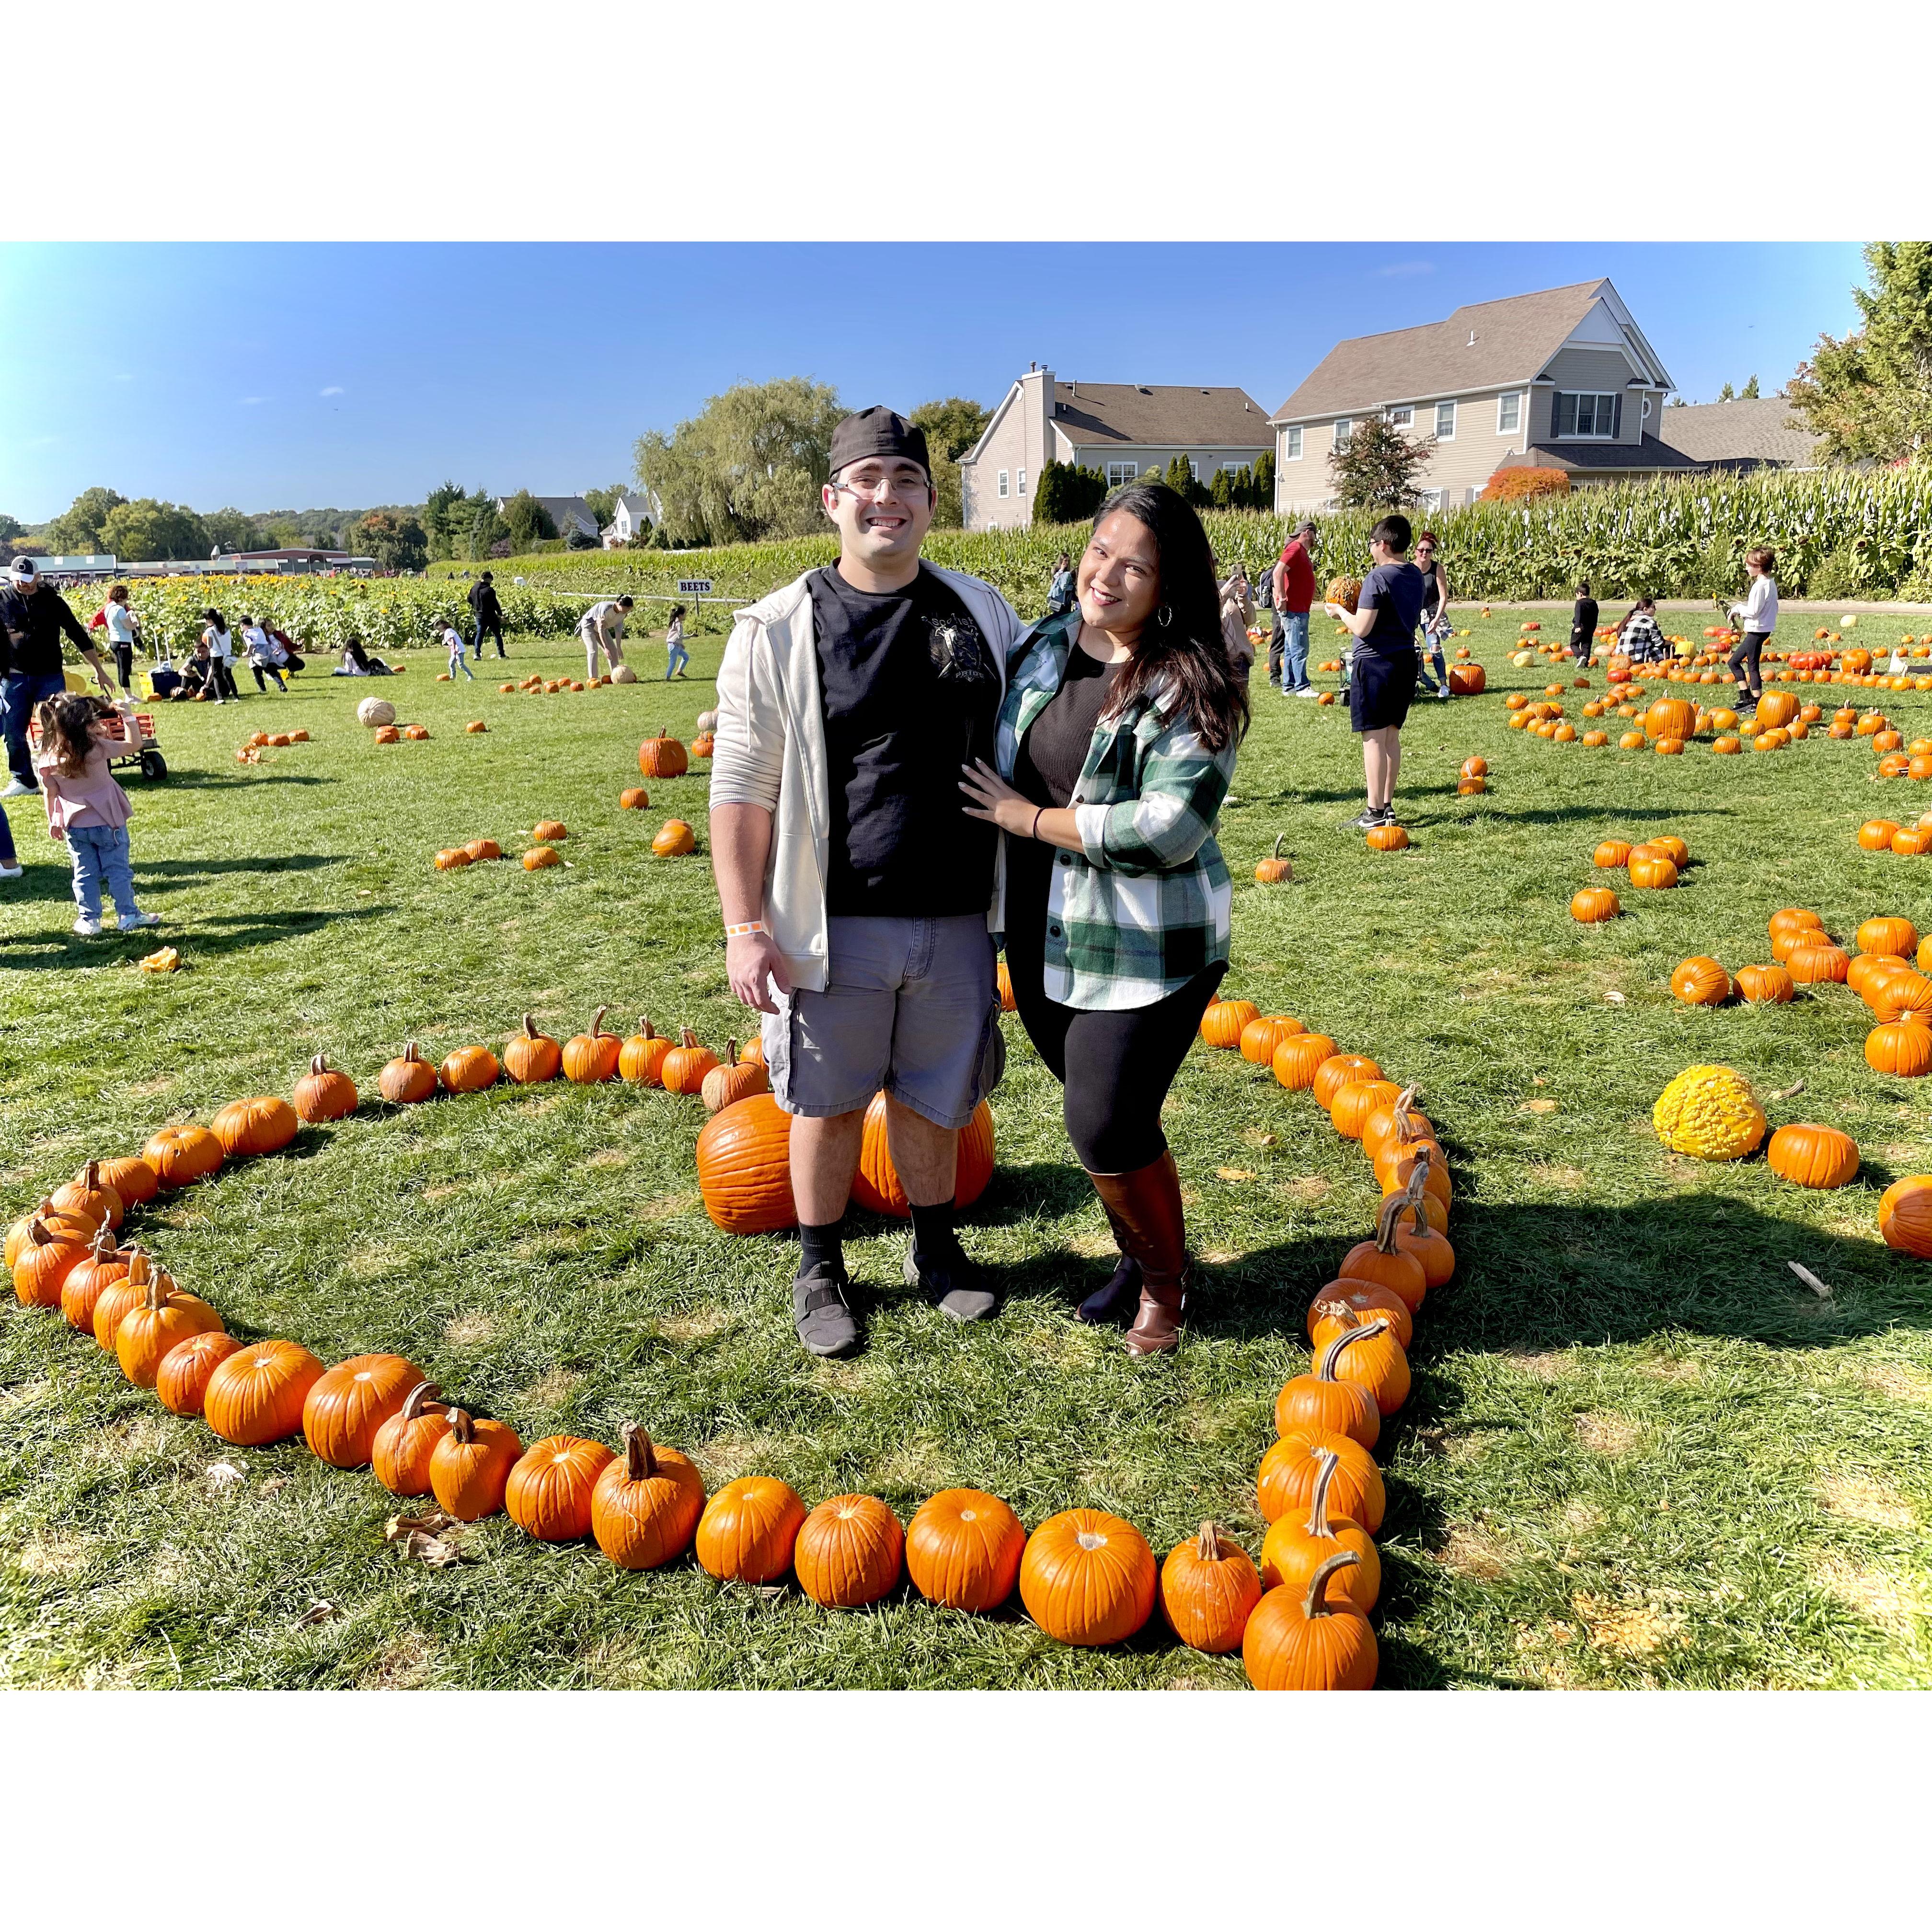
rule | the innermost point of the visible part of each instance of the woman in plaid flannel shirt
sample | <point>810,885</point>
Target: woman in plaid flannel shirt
<point>1116,744</point>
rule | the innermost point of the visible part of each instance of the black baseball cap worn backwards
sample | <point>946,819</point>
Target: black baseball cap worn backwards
<point>878,431</point>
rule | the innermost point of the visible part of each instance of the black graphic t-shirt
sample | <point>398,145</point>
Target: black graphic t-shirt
<point>911,693</point>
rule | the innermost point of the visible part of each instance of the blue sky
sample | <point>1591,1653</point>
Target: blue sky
<point>290,376</point>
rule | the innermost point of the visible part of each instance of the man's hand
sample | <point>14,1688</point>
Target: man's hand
<point>751,960</point>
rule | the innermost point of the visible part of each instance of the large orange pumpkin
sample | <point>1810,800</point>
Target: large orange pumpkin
<point>1221,1024</point>
<point>255,1396</point>
<point>1671,718</point>
<point>181,1155</point>
<point>1763,985</point>
<point>180,1384</point>
<point>469,1468</point>
<point>264,1125</point>
<point>963,1550</point>
<point>401,1453</point>
<point>1298,1059</point>
<point>1291,1469</point>
<point>1810,1155</point>
<point>160,1319</point>
<point>42,1265</point>
<point>323,1094</point>
<point>1902,1047</point>
<point>1905,1215</point>
<point>661,756</point>
<point>548,1492</point>
<point>1699,981</point>
<point>1337,1071</point>
<point>530,1057</point>
<point>877,1186</point>
<point>645,1504</point>
<point>849,1552</point>
<point>1087,1577</point>
<point>1260,1037</point>
<point>591,1058</point>
<point>132,1178</point>
<point>1876,935</point>
<point>744,1167</point>
<point>345,1407</point>
<point>746,1533</point>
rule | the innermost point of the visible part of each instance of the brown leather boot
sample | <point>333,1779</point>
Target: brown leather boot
<point>1147,1203</point>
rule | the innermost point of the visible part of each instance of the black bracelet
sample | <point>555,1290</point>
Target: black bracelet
<point>1035,833</point>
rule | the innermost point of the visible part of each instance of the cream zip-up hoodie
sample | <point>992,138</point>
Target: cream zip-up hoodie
<point>768,750</point>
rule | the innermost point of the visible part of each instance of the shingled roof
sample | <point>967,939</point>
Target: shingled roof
<point>1484,345</point>
<point>1756,429</point>
<point>1646,453</point>
<point>1170,416</point>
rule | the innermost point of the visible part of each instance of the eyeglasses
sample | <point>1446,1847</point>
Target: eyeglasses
<point>877,488</point>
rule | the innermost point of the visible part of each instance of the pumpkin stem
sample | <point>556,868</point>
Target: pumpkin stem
<point>731,1053</point>
<point>1318,1525</point>
<point>1410,1201</point>
<point>90,1176</point>
<point>411,1051</point>
<point>318,1065</point>
<point>530,1028</point>
<point>37,1234</point>
<point>1357,1331</point>
<point>644,1029</point>
<point>597,1022</point>
<point>1278,838</point>
<point>686,1038</point>
<point>461,1427</point>
<point>1385,1221</point>
<point>420,1398</point>
<point>139,1272</point>
<point>1207,1544</point>
<point>1317,1605</point>
<point>639,1461</point>
<point>1404,1128</point>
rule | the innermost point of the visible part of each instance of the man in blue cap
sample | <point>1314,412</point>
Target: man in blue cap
<point>858,896</point>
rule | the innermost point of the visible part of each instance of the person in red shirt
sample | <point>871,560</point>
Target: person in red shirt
<point>1293,593</point>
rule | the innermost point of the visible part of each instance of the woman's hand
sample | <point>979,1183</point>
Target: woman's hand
<point>992,799</point>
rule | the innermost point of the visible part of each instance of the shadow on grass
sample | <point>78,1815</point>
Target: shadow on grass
<point>62,951</point>
<point>217,780</point>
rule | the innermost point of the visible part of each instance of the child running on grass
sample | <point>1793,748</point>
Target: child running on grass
<point>86,808</point>
<point>676,656</point>
<point>452,640</point>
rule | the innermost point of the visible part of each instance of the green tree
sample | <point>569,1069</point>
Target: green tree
<point>1870,394</point>
<point>1749,392</point>
<point>1727,394</point>
<point>233,529</point>
<point>1264,481</point>
<point>603,503</point>
<point>577,538</point>
<point>1221,491</point>
<point>486,529</point>
<point>286,535</point>
<point>1376,468</point>
<point>446,519</point>
<point>76,532</point>
<point>11,527</point>
<point>526,520</point>
<point>1067,493</point>
<point>952,428</point>
<point>394,538</point>
<point>147,531</point>
<point>749,465</point>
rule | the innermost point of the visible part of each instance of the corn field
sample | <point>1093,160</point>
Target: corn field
<point>1838,533</point>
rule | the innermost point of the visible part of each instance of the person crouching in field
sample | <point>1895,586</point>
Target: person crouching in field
<point>858,895</point>
<point>1638,637</point>
<point>86,808</point>
<point>1117,744</point>
<point>601,628</point>
<point>1757,618</point>
<point>1383,681</point>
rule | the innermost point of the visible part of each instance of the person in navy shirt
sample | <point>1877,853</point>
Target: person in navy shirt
<point>1384,622</point>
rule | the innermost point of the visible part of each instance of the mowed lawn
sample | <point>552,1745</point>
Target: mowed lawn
<point>1639,1451</point>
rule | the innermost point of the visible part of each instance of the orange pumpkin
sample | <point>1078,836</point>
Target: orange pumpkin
<point>1888,935</point>
<point>744,1167</point>
<point>674,839</point>
<point>1905,1215</point>
<point>539,857</point>
<point>1296,1546</point>
<point>1088,1578</point>
<point>401,1451</point>
<point>346,1405</point>
<point>1594,904</point>
<point>88,1278</point>
<point>1651,870</point>
<point>963,1550</point>
<point>1349,1112</point>
<point>747,1530</point>
<point>407,1080</point>
<point>182,1155</point>
<point>1293,1466</point>
<point>1817,965</point>
<point>1810,1155</point>
<point>180,1383</point>
<point>1335,1305</point>
<point>1222,1025</point>
<point>1901,1047</point>
<point>88,1194</point>
<point>44,1261</point>
<point>849,1553</point>
<point>470,1467</point>
<point>876,1185</point>
<point>1260,1037</point>
<point>548,1492</point>
<point>1208,1589</point>
<point>255,1396</point>
<point>645,1504</point>
<point>732,1080</point>
<point>1612,855</point>
<point>159,1321</point>
<point>531,1058</point>
<point>686,1064</point>
<point>1766,985</point>
<point>248,1128</point>
<point>1298,1059</point>
<point>634,798</point>
<point>469,1069</point>
<point>590,1058</point>
<point>323,1094</point>
<point>660,756</point>
<point>1699,981</point>
<point>640,1059</point>
<point>131,1178</point>
<point>1337,1070</point>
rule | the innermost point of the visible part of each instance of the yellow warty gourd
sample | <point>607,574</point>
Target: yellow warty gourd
<point>1710,1112</point>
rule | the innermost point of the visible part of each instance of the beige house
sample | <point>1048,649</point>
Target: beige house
<point>1563,379</point>
<point>1120,429</point>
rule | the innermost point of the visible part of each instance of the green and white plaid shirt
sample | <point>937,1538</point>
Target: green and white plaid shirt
<point>1144,908</point>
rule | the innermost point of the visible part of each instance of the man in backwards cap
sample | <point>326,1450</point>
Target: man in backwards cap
<point>858,897</point>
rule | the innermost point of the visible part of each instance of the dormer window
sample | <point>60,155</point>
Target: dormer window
<point>1588,415</point>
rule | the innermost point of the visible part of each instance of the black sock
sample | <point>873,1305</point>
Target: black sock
<point>825,1244</point>
<point>934,1238</point>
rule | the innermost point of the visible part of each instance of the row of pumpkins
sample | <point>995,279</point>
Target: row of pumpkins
<point>1084,1576</point>
<point>672,839</point>
<point>1654,865</point>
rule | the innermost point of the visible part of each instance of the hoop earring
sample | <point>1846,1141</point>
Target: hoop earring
<point>1164,616</point>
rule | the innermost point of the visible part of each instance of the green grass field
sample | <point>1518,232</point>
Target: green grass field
<point>1638,1451</point>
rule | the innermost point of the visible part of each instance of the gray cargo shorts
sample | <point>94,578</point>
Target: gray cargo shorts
<point>910,1005</point>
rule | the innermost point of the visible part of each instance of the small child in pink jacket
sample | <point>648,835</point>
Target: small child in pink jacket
<point>86,808</point>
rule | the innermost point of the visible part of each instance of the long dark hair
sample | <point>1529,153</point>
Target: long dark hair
<point>1182,663</point>
<point>66,729</point>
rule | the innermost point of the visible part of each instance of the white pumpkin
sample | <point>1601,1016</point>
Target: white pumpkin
<point>373,711</point>
<point>707,721</point>
<point>623,674</point>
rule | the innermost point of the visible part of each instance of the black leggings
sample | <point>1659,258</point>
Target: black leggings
<point>1116,1067</point>
<point>263,672</point>
<point>124,667</point>
<point>1743,662</point>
